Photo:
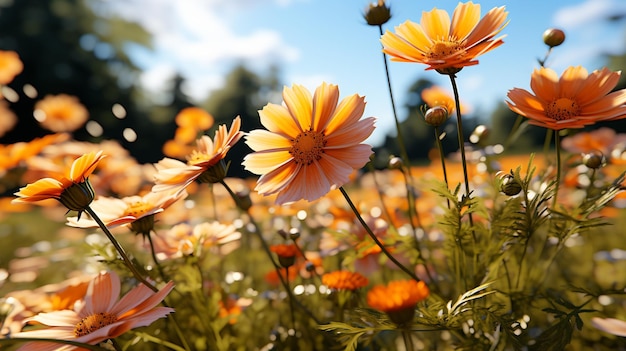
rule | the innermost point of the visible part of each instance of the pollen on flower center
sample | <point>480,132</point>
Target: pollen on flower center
<point>307,147</point>
<point>94,322</point>
<point>137,208</point>
<point>562,109</point>
<point>197,157</point>
<point>443,48</point>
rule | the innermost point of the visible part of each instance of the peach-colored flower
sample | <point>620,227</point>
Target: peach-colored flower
<point>71,189</point>
<point>202,163</point>
<point>574,100</point>
<point>135,211</point>
<point>183,239</point>
<point>60,113</point>
<point>443,44</point>
<point>312,144</point>
<point>602,140</point>
<point>10,66</point>
<point>344,280</point>
<point>102,315</point>
<point>610,325</point>
<point>437,96</point>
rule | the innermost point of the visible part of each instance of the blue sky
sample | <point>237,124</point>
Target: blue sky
<point>328,40</point>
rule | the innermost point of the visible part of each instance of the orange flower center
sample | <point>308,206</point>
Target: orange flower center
<point>443,48</point>
<point>136,209</point>
<point>562,109</point>
<point>307,147</point>
<point>94,322</point>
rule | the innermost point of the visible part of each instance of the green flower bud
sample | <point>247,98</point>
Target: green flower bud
<point>377,14</point>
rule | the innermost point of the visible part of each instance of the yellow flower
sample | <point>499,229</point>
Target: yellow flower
<point>60,113</point>
<point>204,163</point>
<point>72,190</point>
<point>312,144</point>
<point>444,45</point>
<point>574,100</point>
<point>10,66</point>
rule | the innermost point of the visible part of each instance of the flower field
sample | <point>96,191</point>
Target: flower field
<point>480,249</point>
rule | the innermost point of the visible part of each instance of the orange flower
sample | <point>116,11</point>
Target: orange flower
<point>205,162</point>
<point>10,66</point>
<point>8,119</point>
<point>72,190</point>
<point>574,100</point>
<point>312,145</point>
<point>602,139</point>
<point>397,295</point>
<point>286,253</point>
<point>444,45</point>
<point>344,280</point>
<point>60,113</point>
<point>101,315</point>
<point>195,118</point>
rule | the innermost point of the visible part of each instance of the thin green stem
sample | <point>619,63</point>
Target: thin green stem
<point>408,342</point>
<point>155,259</point>
<point>120,250</point>
<point>402,147</point>
<point>459,127</point>
<point>443,160</point>
<point>557,147</point>
<point>153,339</point>
<point>373,236</point>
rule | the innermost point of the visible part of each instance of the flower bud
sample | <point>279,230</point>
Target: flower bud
<point>436,116</point>
<point>594,160</point>
<point>143,225</point>
<point>395,162</point>
<point>377,14</point>
<point>509,185</point>
<point>553,37</point>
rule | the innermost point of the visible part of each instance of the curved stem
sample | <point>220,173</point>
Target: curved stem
<point>120,250</point>
<point>408,342</point>
<point>373,236</point>
<point>443,160</point>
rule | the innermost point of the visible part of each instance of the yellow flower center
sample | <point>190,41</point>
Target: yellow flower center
<point>444,48</point>
<point>562,109</point>
<point>197,157</point>
<point>307,147</point>
<point>94,322</point>
<point>136,209</point>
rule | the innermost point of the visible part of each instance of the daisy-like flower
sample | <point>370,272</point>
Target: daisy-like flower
<point>398,299</point>
<point>10,66</point>
<point>60,113</point>
<point>206,162</point>
<point>137,212</point>
<point>446,45</point>
<point>73,189</point>
<point>344,280</point>
<point>574,100</point>
<point>610,325</point>
<point>100,316</point>
<point>312,144</point>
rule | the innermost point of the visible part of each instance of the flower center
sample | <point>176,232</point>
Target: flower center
<point>94,322</point>
<point>307,147</point>
<point>197,157</point>
<point>443,48</point>
<point>562,109</point>
<point>138,208</point>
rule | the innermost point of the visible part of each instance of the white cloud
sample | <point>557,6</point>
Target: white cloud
<point>199,39</point>
<point>588,12</point>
